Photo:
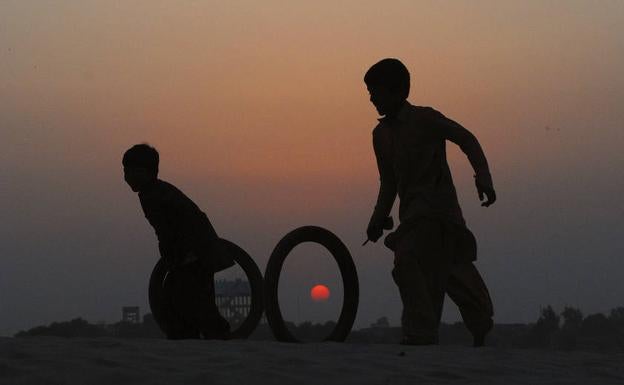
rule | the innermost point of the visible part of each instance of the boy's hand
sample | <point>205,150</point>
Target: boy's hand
<point>374,231</point>
<point>485,191</point>
<point>189,258</point>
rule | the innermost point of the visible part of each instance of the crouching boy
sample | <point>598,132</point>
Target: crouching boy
<point>185,240</point>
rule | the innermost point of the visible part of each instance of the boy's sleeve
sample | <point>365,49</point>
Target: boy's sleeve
<point>467,142</point>
<point>157,216</point>
<point>195,231</point>
<point>197,235</point>
<point>387,181</point>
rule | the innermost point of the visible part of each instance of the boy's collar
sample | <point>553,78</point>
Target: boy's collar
<point>149,187</point>
<point>401,116</point>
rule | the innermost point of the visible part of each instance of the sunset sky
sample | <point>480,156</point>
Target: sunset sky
<point>261,116</point>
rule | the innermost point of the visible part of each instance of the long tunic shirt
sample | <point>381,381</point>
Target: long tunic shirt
<point>180,226</point>
<point>411,158</point>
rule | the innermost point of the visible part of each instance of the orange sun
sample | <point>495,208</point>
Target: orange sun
<point>319,293</point>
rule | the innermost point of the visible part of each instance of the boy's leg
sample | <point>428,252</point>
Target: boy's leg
<point>180,325</point>
<point>421,269</point>
<point>194,301</point>
<point>467,289</point>
<point>211,323</point>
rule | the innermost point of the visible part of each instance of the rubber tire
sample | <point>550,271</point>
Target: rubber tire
<point>347,270</point>
<point>159,306</point>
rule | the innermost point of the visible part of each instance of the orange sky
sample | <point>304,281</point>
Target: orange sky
<point>259,110</point>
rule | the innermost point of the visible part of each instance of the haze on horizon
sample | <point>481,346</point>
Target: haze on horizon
<point>261,116</point>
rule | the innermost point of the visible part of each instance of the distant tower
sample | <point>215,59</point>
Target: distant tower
<point>233,298</point>
<point>130,314</point>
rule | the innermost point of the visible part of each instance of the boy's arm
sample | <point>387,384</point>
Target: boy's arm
<point>469,144</point>
<point>387,191</point>
<point>167,245</point>
<point>178,224</point>
<point>196,229</point>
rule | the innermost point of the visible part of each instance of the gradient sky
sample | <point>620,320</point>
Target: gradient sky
<point>260,115</point>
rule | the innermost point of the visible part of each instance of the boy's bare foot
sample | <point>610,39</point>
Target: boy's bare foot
<point>479,337</point>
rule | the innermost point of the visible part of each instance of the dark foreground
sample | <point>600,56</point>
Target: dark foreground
<point>52,360</point>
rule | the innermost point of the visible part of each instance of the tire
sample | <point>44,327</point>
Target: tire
<point>347,270</point>
<point>160,308</point>
<point>254,276</point>
<point>156,295</point>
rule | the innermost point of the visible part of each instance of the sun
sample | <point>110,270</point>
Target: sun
<point>319,293</point>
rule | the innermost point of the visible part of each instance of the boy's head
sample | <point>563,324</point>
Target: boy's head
<point>388,82</point>
<point>140,165</point>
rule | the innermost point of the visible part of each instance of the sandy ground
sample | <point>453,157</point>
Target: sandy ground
<point>48,360</point>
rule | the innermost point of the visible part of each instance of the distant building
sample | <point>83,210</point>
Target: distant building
<point>130,314</point>
<point>381,323</point>
<point>233,298</point>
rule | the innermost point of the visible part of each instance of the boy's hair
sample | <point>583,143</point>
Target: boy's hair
<point>142,155</point>
<point>391,74</point>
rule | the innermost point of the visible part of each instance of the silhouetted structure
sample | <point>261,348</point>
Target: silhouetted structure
<point>130,314</point>
<point>233,298</point>
<point>381,323</point>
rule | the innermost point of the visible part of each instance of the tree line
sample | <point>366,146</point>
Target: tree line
<point>566,330</point>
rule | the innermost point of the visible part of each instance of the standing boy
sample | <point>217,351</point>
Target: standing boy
<point>186,239</point>
<point>433,248</point>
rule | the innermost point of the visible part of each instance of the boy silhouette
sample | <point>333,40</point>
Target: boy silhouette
<point>188,245</point>
<point>433,248</point>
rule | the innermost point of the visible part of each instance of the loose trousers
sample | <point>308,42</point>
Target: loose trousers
<point>191,295</point>
<point>425,270</point>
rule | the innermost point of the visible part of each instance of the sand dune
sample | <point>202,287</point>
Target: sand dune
<point>50,360</point>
